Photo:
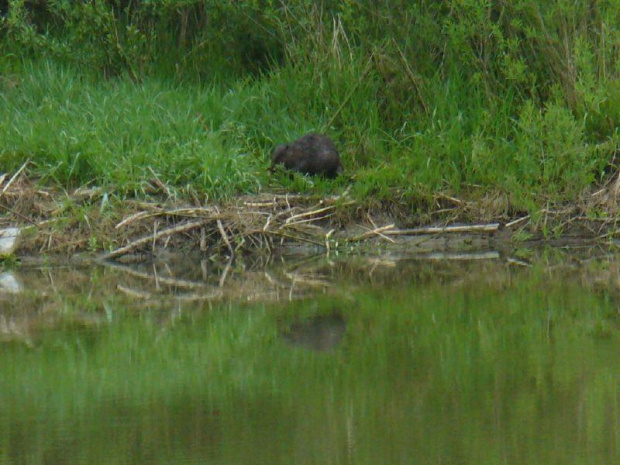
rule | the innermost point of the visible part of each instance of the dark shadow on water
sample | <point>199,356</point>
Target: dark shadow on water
<point>320,333</point>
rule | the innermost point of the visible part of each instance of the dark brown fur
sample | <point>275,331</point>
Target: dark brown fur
<point>313,154</point>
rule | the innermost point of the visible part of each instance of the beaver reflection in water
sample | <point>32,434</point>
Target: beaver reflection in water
<point>320,333</point>
<point>313,154</point>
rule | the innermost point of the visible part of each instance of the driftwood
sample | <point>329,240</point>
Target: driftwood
<point>262,221</point>
<point>379,231</point>
<point>152,238</point>
<point>473,228</point>
<point>258,223</point>
<point>385,231</point>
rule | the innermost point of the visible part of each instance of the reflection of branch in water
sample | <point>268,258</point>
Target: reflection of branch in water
<point>225,272</point>
<point>203,269</point>
<point>490,255</point>
<point>145,295</point>
<point>156,277</point>
<point>290,291</point>
<point>135,293</point>
<point>376,263</point>
<point>259,290</point>
<point>167,281</point>
<point>516,261</point>
<point>298,277</point>
<point>305,260</point>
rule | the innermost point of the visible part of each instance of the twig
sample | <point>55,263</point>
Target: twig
<point>446,229</point>
<point>327,236</point>
<point>378,231</point>
<point>310,213</point>
<point>14,177</point>
<point>203,239</point>
<point>450,198</point>
<point>193,212</point>
<point>267,223</point>
<point>23,217</point>
<point>225,237</point>
<point>145,240</point>
<point>517,221</point>
<point>259,204</point>
<point>293,237</point>
<point>132,218</point>
<point>309,220</point>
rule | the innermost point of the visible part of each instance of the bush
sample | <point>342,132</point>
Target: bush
<point>520,96</point>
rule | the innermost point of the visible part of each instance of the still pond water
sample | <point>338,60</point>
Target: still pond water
<point>313,360</point>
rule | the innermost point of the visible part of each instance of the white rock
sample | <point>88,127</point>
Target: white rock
<point>8,240</point>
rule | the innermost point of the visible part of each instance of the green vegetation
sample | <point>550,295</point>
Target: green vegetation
<point>467,98</point>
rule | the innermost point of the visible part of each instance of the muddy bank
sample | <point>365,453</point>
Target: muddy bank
<point>94,222</point>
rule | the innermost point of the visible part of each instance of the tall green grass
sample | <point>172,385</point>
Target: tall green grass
<point>465,98</point>
<point>77,130</point>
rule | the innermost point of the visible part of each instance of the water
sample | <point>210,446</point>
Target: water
<point>313,360</point>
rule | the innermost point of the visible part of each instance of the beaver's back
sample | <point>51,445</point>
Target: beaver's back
<point>314,154</point>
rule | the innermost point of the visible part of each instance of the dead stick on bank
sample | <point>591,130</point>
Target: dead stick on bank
<point>152,237</point>
<point>309,213</point>
<point>446,229</point>
<point>225,237</point>
<point>14,177</point>
<point>379,231</point>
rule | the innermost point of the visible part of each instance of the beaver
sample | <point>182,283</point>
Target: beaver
<point>313,154</point>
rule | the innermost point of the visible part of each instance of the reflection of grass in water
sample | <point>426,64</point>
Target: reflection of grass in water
<point>483,371</point>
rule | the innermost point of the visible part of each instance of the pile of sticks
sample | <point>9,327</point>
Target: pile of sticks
<point>262,223</point>
<point>252,223</point>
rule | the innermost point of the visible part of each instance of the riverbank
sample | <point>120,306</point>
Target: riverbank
<point>98,223</point>
<point>466,115</point>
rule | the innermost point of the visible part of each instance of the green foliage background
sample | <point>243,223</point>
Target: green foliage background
<point>518,97</point>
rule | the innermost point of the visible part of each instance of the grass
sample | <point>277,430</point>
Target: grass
<point>77,129</point>
<point>117,134</point>
<point>466,99</point>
